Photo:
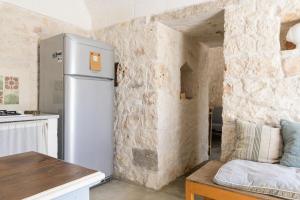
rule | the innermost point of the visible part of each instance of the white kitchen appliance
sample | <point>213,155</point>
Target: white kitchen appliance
<point>76,82</point>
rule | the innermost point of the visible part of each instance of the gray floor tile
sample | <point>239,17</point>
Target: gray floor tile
<point>120,190</point>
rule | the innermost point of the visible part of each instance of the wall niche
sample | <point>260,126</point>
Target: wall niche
<point>285,45</point>
<point>290,55</point>
<point>186,82</point>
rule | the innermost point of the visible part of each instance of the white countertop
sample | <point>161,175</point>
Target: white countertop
<point>18,118</point>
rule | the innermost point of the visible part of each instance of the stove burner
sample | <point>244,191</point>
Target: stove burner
<point>8,113</point>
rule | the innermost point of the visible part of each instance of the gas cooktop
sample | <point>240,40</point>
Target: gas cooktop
<point>8,113</point>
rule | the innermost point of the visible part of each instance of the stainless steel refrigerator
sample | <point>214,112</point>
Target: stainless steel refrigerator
<point>76,81</point>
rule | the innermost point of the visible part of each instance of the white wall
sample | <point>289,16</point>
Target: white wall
<point>108,12</point>
<point>72,11</point>
<point>20,32</point>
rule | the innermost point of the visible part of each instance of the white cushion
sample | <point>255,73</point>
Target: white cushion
<point>264,178</point>
<point>257,142</point>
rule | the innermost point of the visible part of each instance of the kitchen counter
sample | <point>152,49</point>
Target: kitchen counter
<point>29,125</point>
<point>17,118</point>
<point>33,176</point>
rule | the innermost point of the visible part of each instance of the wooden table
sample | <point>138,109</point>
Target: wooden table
<point>36,176</point>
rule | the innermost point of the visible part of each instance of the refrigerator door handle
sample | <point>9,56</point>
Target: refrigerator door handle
<point>89,77</point>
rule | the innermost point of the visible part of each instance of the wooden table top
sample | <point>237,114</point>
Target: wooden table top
<point>24,175</point>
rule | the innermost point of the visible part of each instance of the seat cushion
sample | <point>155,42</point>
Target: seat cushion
<point>291,140</point>
<point>263,178</point>
<point>206,174</point>
<point>257,142</point>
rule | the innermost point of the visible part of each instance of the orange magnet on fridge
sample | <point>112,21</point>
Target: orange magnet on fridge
<point>95,61</point>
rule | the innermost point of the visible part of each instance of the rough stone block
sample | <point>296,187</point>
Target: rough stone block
<point>228,139</point>
<point>145,158</point>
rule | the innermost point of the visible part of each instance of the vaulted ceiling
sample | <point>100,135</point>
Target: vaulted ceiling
<point>107,12</point>
<point>208,27</point>
<point>96,14</point>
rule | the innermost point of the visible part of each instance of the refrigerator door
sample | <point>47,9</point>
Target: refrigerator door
<point>77,57</point>
<point>89,122</point>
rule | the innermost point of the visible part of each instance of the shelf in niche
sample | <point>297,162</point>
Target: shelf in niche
<point>186,82</point>
<point>290,53</point>
<point>290,56</point>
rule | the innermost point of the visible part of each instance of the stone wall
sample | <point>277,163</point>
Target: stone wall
<point>20,33</point>
<point>255,86</point>
<point>136,153</point>
<point>158,135</point>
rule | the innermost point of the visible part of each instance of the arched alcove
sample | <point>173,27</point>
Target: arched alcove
<point>285,26</point>
<point>186,82</point>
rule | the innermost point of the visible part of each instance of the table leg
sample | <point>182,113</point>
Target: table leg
<point>189,194</point>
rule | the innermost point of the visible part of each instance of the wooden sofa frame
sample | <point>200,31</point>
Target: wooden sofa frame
<point>210,192</point>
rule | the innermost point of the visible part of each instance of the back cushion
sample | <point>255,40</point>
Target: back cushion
<point>291,140</point>
<point>256,142</point>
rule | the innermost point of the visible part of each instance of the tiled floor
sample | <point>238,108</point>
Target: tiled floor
<point>127,191</point>
<point>120,190</point>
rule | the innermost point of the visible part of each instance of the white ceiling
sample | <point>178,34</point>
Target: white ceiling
<point>97,14</point>
<point>71,11</point>
<point>107,12</point>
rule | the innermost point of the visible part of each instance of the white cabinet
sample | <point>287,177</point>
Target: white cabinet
<point>52,138</point>
<point>23,133</point>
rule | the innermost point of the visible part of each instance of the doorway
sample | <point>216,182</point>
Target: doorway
<point>191,69</point>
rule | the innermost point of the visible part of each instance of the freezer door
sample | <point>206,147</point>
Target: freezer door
<point>89,123</point>
<point>77,58</point>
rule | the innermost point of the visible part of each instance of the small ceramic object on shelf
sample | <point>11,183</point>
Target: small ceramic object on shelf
<point>293,35</point>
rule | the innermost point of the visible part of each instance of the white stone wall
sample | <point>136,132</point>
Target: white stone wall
<point>182,123</point>
<point>136,154</point>
<point>152,122</point>
<point>159,136</point>
<point>255,86</point>
<point>20,33</point>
